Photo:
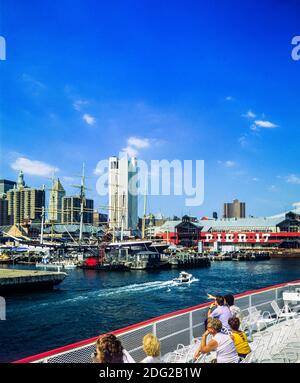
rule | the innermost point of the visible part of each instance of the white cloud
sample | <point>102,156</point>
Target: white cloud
<point>90,120</point>
<point>32,167</point>
<point>265,124</point>
<point>293,179</point>
<point>229,98</point>
<point>243,141</point>
<point>134,144</point>
<point>254,179</point>
<point>139,143</point>
<point>228,163</point>
<point>131,152</point>
<point>249,114</point>
<point>77,104</point>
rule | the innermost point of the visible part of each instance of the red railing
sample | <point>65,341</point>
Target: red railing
<point>190,314</point>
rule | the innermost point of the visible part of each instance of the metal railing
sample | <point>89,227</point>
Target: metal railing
<point>171,329</point>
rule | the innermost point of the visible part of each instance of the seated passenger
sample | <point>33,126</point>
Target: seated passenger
<point>151,347</point>
<point>220,311</point>
<point>239,338</point>
<point>235,310</point>
<point>108,350</point>
<point>221,343</point>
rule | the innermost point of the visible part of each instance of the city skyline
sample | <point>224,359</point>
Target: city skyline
<point>205,92</point>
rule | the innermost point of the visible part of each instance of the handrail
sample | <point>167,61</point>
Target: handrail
<point>153,321</point>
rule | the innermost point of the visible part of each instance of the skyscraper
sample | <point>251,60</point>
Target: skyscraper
<point>71,210</point>
<point>236,209</point>
<point>24,203</point>
<point>3,211</point>
<point>6,185</point>
<point>55,202</point>
<point>123,206</point>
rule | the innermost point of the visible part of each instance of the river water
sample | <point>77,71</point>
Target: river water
<point>89,302</point>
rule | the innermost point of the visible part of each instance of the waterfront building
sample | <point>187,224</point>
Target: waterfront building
<point>273,232</point>
<point>24,203</point>
<point>236,209</point>
<point>6,185</point>
<point>55,202</point>
<point>123,202</point>
<point>71,210</point>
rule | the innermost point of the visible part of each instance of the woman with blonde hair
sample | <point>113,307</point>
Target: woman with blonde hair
<point>151,347</point>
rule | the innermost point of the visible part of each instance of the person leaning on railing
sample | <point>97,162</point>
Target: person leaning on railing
<point>221,343</point>
<point>220,311</point>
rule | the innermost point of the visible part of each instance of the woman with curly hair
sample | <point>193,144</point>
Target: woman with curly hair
<point>108,350</point>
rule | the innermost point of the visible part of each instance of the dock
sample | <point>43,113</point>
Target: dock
<point>27,280</point>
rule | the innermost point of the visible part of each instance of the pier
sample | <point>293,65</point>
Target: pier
<point>25,280</point>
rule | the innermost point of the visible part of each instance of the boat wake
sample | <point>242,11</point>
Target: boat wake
<point>136,288</point>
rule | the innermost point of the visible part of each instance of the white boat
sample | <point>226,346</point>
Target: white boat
<point>183,278</point>
<point>67,265</point>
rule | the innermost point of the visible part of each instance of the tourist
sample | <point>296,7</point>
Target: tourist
<point>220,311</point>
<point>235,310</point>
<point>239,338</point>
<point>151,347</point>
<point>108,350</point>
<point>221,343</point>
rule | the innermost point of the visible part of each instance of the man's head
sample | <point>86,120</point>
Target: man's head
<point>219,300</point>
<point>229,299</point>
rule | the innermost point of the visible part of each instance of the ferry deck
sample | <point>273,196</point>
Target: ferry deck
<point>270,319</point>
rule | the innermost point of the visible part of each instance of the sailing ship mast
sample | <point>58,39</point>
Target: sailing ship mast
<point>43,219</point>
<point>82,202</point>
<point>145,207</point>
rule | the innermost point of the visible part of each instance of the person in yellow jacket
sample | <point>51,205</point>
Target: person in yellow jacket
<point>239,338</point>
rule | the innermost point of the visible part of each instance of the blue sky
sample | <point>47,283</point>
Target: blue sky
<point>210,80</point>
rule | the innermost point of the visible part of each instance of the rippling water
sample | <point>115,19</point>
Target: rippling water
<point>89,303</point>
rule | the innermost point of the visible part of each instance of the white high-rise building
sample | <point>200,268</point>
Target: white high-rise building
<point>123,204</point>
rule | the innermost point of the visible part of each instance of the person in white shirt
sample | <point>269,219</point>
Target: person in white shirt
<point>151,347</point>
<point>221,343</point>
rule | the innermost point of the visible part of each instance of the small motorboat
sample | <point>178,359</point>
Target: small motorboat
<point>183,278</point>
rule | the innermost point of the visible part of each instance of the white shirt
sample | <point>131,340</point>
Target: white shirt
<point>236,311</point>
<point>151,359</point>
<point>226,351</point>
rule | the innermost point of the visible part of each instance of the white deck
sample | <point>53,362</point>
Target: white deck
<point>272,327</point>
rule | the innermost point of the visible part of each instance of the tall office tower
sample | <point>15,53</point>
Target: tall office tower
<point>123,199</point>
<point>3,211</point>
<point>236,209</point>
<point>71,210</point>
<point>24,203</point>
<point>55,202</point>
<point>6,185</point>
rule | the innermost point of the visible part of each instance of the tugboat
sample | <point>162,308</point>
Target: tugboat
<point>183,278</point>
